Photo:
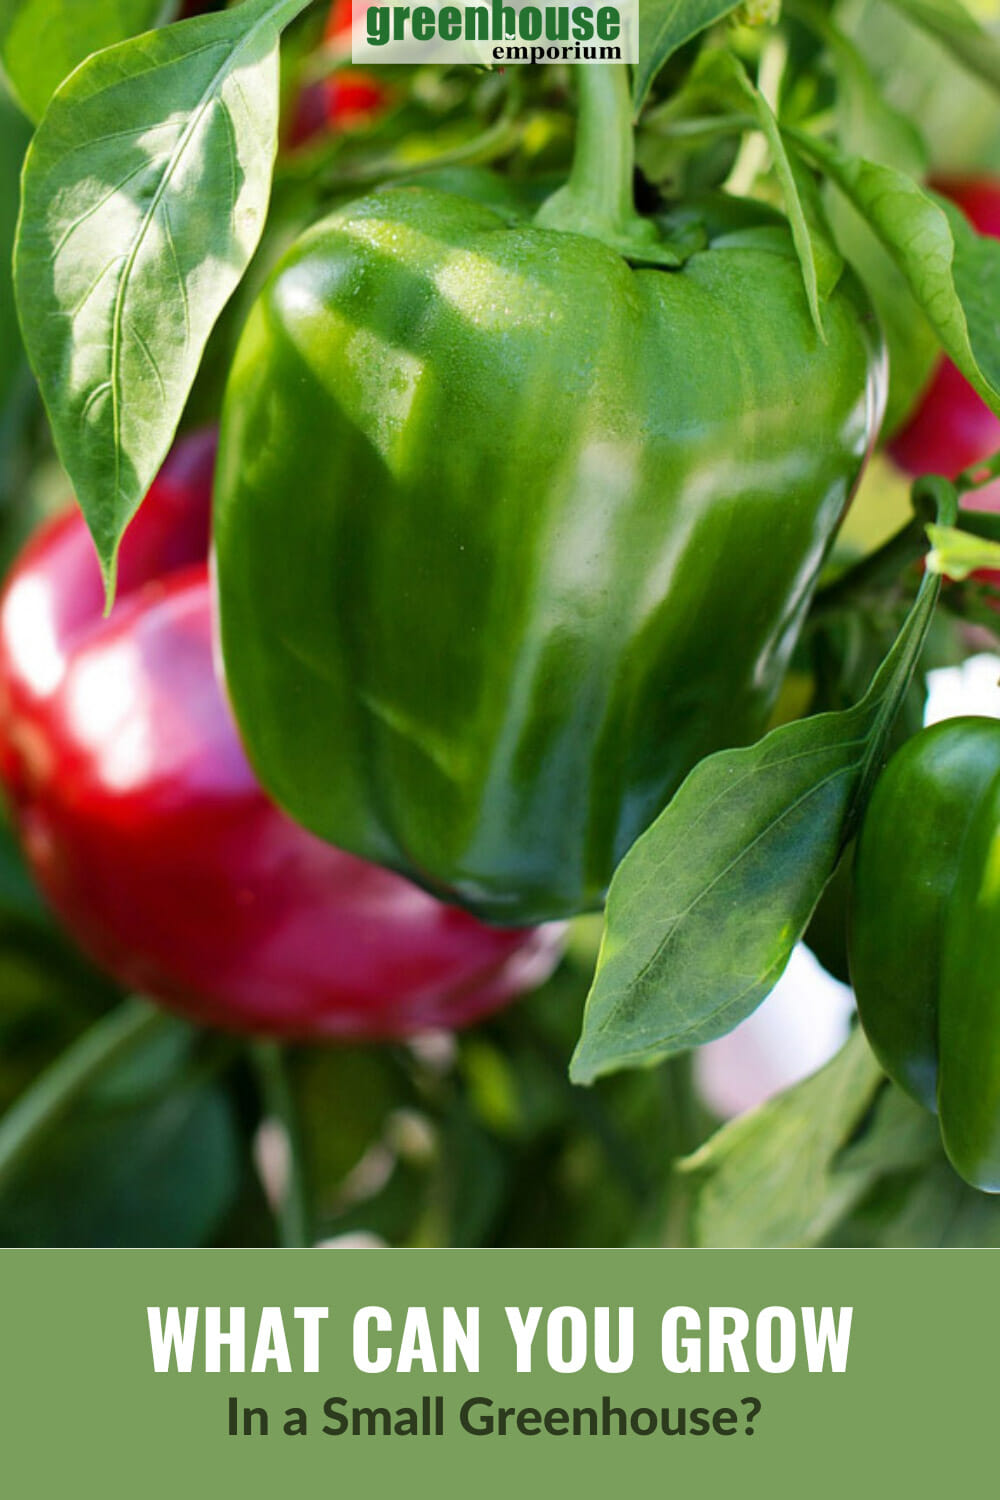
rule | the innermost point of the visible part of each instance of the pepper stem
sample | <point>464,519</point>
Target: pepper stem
<point>597,200</point>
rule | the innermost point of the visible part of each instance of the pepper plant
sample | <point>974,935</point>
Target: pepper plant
<point>552,581</point>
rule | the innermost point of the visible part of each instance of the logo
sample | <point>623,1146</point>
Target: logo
<point>497,33</point>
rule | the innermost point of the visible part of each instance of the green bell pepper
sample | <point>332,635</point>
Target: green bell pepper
<point>515,523</point>
<point>925,933</point>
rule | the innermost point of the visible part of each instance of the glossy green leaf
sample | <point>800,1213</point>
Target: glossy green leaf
<point>145,194</point>
<point>952,272</point>
<point>665,25</point>
<point>42,41</point>
<point>772,1177</point>
<point>706,907</point>
<point>951,24</point>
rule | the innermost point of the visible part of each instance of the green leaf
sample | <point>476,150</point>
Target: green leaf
<point>949,23</point>
<point>720,81</point>
<point>911,342</point>
<point>976,270</point>
<point>843,1158</point>
<point>772,1177</point>
<point>664,26</point>
<point>868,125</point>
<point>817,256</point>
<point>145,193</point>
<point>42,41</point>
<point>148,1155</point>
<point>953,273</point>
<point>162,1174</point>
<point>706,907</point>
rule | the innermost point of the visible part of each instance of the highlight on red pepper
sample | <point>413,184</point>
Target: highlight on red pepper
<point>147,831</point>
<point>346,98</point>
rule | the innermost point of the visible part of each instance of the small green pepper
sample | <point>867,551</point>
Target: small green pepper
<point>925,933</point>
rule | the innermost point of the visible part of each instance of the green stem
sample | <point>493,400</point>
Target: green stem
<point>48,1100</point>
<point>685,1132</point>
<point>600,181</point>
<point>597,200</point>
<point>278,1100</point>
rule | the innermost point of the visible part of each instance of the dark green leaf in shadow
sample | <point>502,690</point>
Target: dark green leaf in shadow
<point>164,1174</point>
<point>149,1155</point>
